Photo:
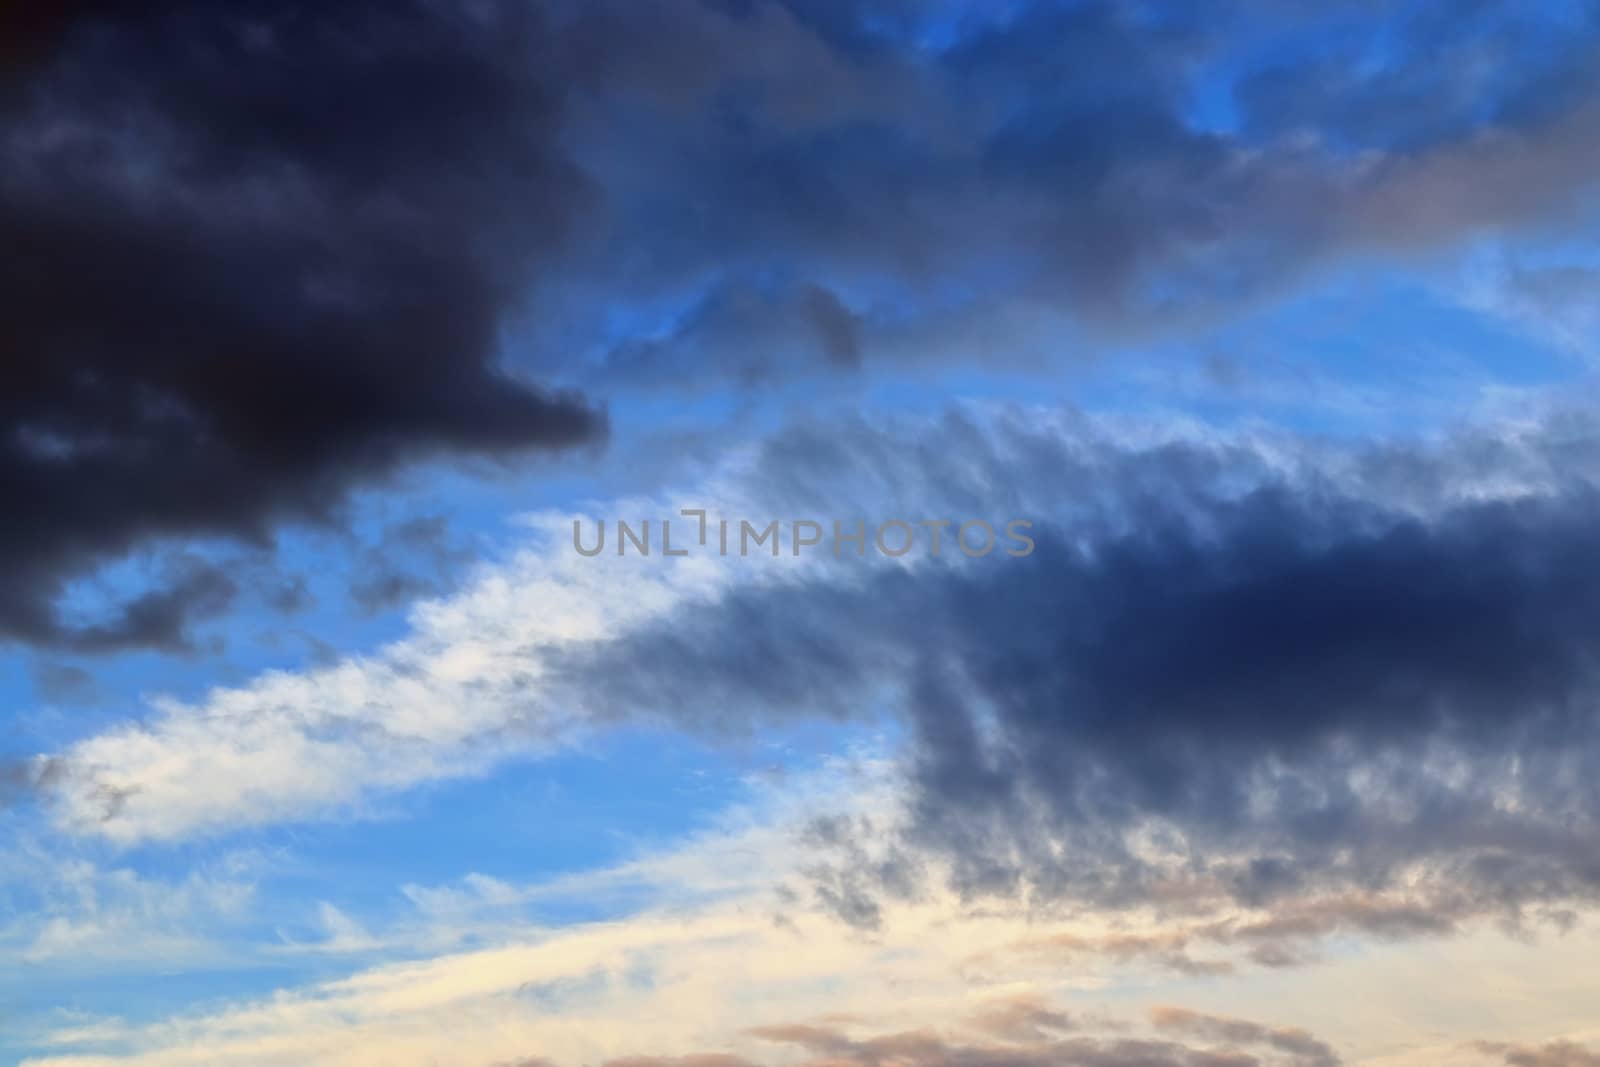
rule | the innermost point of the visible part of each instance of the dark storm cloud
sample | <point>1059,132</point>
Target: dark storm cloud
<point>1317,693</point>
<point>265,251</point>
<point>257,252</point>
<point>1172,673</point>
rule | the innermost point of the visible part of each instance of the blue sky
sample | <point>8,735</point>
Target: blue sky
<point>323,746</point>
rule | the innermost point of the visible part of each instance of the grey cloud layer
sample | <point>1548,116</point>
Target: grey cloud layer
<point>1052,162</point>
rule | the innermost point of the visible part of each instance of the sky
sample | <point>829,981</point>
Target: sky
<point>799,533</point>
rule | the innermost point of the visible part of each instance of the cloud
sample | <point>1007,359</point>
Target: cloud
<point>1295,1042</point>
<point>1240,829</point>
<point>1037,182</point>
<point>743,333</point>
<point>1021,1018</point>
<point>1237,1044</point>
<point>224,283</point>
<point>1554,303</point>
<point>1553,1054</point>
<point>232,302</point>
<point>62,682</point>
<point>1262,698</point>
<point>675,974</point>
<point>692,964</point>
<point>1202,696</point>
<point>71,916</point>
<point>1253,694</point>
<point>407,561</point>
<point>1155,540</point>
<point>160,618</point>
<point>1501,62</point>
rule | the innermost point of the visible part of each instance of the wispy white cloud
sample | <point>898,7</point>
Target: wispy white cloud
<point>713,961</point>
<point>75,914</point>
